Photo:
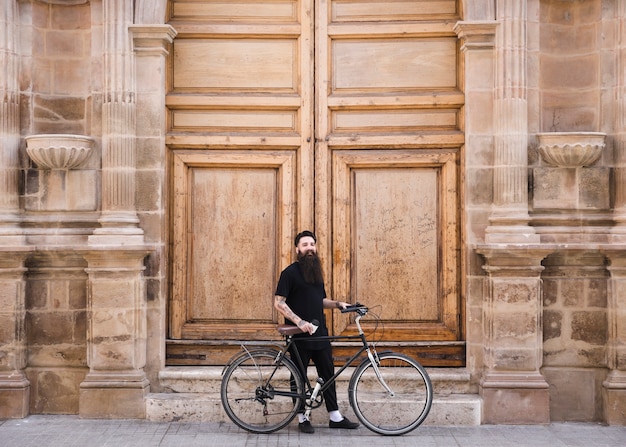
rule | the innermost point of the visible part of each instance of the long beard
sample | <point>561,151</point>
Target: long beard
<point>311,268</point>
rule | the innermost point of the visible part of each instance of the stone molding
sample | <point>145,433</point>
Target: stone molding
<point>152,39</point>
<point>478,35</point>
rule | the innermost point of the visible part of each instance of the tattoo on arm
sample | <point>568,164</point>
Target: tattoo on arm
<point>280,302</point>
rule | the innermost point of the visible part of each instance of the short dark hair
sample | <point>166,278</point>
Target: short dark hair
<point>302,234</point>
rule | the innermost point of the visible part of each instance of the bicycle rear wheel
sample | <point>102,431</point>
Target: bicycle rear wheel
<point>384,412</point>
<point>259,395</point>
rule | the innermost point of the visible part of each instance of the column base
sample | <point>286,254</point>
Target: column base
<point>618,235</point>
<point>113,395</point>
<point>512,234</point>
<point>14,395</point>
<point>119,237</point>
<point>515,398</point>
<point>615,398</point>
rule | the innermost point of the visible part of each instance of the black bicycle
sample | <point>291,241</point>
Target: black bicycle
<point>262,388</point>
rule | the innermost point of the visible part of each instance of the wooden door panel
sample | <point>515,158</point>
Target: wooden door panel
<point>395,229</point>
<point>233,63</point>
<point>239,11</point>
<point>230,211</point>
<point>232,228</point>
<point>371,64</point>
<point>395,251</point>
<point>392,10</point>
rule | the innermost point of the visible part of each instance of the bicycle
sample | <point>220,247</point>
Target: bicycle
<point>262,389</point>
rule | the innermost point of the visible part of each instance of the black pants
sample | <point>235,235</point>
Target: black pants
<point>323,361</point>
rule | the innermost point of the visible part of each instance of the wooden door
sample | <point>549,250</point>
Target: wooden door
<point>340,116</point>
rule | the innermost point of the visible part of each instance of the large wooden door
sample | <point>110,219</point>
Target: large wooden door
<point>340,116</point>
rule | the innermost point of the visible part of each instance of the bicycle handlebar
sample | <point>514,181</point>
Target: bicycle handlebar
<point>356,307</point>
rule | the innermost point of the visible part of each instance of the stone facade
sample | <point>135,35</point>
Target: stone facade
<point>83,253</point>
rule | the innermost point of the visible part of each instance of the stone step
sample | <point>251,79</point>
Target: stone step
<point>452,409</point>
<point>194,397</point>
<point>207,379</point>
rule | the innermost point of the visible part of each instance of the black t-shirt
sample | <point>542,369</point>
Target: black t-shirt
<point>305,299</point>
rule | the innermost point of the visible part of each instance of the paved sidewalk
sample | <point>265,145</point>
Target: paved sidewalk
<point>53,431</point>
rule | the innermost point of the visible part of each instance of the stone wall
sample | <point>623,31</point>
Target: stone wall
<point>56,331</point>
<point>575,334</point>
<point>571,63</point>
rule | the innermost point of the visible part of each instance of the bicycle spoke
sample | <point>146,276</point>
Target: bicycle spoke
<point>398,411</point>
<point>254,401</point>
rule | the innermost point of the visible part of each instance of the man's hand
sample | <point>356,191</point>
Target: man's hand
<point>330,304</point>
<point>305,326</point>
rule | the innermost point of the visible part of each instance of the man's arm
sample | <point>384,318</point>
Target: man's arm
<point>330,304</point>
<point>280,304</point>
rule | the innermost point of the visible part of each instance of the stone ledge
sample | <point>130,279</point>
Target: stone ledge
<point>207,379</point>
<point>457,409</point>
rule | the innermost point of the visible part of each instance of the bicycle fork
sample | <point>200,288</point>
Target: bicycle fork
<point>374,361</point>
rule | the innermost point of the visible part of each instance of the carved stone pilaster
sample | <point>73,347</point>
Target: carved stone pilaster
<point>14,386</point>
<point>615,384</point>
<point>119,219</point>
<point>513,388</point>
<point>509,218</point>
<point>10,234</point>
<point>619,231</point>
<point>116,384</point>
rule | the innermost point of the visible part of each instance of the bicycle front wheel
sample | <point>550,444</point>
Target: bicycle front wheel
<point>260,395</point>
<point>398,410</point>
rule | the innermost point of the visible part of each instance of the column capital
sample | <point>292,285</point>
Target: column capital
<point>616,256</point>
<point>513,259</point>
<point>479,35</point>
<point>122,258</point>
<point>150,39</point>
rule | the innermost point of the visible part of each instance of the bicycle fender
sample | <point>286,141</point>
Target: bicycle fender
<point>248,353</point>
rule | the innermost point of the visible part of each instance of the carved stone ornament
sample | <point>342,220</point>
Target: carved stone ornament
<point>59,151</point>
<point>64,2</point>
<point>571,149</point>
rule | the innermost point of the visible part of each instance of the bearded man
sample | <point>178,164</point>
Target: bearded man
<point>301,298</point>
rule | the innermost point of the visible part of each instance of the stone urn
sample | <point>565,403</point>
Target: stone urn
<point>571,149</point>
<point>59,151</point>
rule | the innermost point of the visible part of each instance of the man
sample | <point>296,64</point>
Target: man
<point>301,299</point>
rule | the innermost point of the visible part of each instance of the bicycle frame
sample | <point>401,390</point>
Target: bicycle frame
<point>310,393</point>
<point>262,404</point>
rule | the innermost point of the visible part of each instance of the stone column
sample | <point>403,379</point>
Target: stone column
<point>512,387</point>
<point>509,217</point>
<point>14,387</point>
<point>619,231</point>
<point>152,44</point>
<point>615,384</point>
<point>477,47</point>
<point>10,234</point>
<point>116,384</point>
<point>119,219</point>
